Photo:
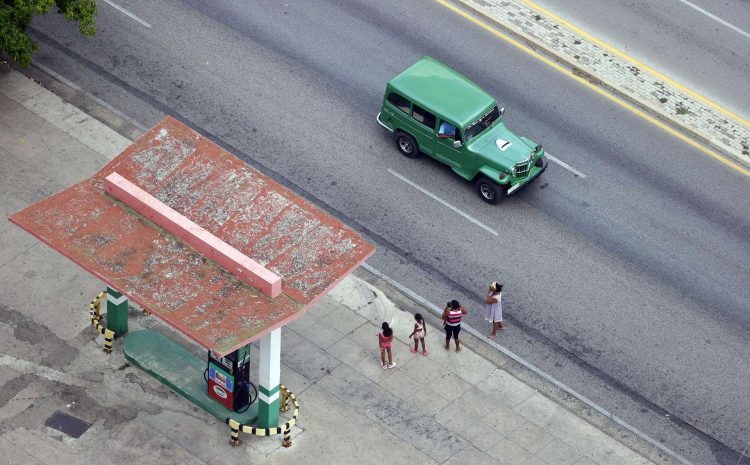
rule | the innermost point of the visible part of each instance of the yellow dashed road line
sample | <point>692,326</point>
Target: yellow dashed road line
<point>632,60</point>
<point>596,89</point>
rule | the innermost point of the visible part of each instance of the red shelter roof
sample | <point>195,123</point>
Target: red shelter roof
<point>310,250</point>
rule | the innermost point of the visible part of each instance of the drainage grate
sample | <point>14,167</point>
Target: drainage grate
<point>69,425</point>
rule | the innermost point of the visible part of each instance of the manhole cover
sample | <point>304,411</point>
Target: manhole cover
<point>69,425</point>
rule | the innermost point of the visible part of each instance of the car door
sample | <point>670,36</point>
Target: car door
<point>446,137</point>
<point>445,150</point>
<point>423,126</point>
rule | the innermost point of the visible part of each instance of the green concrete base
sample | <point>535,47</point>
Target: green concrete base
<point>179,370</point>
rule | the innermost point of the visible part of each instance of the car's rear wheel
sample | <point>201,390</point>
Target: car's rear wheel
<point>407,145</point>
<point>489,191</point>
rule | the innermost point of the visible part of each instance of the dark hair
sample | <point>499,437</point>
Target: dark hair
<point>455,304</point>
<point>387,331</point>
<point>419,318</point>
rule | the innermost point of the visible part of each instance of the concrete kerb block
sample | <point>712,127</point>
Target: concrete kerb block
<point>510,391</point>
<point>54,110</point>
<point>69,119</point>
<point>18,87</point>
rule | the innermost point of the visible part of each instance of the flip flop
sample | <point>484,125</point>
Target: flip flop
<point>412,349</point>
<point>425,353</point>
<point>491,336</point>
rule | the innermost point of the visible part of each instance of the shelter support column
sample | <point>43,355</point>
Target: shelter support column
<point>117,312</point>
<point>269,374</point>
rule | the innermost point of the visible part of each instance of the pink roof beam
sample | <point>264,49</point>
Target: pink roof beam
<point>210,246</point>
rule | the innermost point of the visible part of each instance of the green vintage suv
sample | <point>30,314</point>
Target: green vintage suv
<point>430,108</point>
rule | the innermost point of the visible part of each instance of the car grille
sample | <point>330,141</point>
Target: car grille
<point>522,169</point>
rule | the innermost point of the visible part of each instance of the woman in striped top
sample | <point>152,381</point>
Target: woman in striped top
<point>452,322</point>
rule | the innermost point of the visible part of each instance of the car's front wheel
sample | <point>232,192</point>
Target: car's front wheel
<point>489,191</point>
<point>407,145</point>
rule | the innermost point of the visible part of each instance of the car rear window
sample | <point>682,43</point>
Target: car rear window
<point>399,102</point>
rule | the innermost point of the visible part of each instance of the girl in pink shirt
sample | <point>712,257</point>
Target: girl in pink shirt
<point>384,341</point>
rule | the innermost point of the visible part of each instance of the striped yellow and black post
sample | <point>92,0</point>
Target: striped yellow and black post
<point>95,317</point>
<point>234,425</point>
<point>283,407</point>
<point>95,308</point>
<point>288,425</point>
<point>287,442</point>
<point>109,336</point>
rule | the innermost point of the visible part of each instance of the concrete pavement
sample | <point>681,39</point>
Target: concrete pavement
<point>471,407</point>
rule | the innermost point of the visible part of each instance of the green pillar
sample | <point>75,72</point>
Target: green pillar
<point>117,312</point>
<point>268,386</point>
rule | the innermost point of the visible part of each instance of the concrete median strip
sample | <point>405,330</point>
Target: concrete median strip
<point>605,67</point>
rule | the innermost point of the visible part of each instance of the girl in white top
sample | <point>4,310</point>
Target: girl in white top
<point>494,309</point>
<point>419,333</point>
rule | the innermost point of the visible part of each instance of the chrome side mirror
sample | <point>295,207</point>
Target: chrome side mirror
<point>502,111</point>
<point>457,144</point>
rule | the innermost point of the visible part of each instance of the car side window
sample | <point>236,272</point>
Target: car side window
<point>448,131</point>
<point>423,116</point>
<point>399,102</point>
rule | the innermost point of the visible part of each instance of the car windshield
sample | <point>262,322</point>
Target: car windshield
<point>476,128</point>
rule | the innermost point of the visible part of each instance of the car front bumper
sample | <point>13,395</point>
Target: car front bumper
<point>516,187</point>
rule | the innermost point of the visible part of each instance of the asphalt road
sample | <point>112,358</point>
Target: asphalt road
<point>628,284</point>
<point>702,44</point>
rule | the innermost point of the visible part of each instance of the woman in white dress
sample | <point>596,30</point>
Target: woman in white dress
<point>494,309</point>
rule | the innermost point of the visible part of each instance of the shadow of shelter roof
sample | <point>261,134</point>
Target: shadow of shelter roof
<point>309,249</point>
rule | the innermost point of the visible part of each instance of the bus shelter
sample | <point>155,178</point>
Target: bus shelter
<point>217,250</point>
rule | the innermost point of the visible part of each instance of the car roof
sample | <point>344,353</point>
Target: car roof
<point>438,88</point>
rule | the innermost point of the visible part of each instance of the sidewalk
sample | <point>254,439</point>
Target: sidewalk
<point>606,67</point>
<point>445,408</point>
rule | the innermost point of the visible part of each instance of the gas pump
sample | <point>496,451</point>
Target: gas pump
<point>228,379</point>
